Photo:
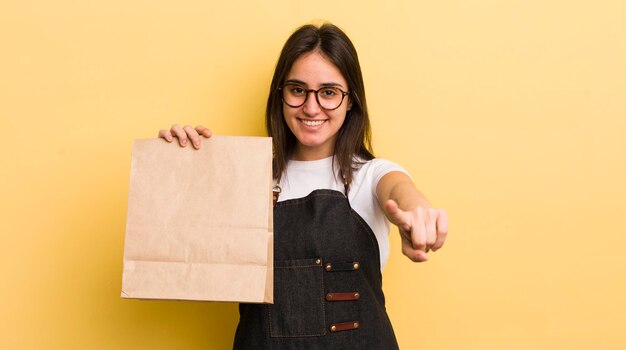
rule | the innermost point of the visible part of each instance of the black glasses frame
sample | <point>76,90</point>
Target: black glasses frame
<point>317,98</point>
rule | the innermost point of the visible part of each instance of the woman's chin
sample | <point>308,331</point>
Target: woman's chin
<point>314,148</point>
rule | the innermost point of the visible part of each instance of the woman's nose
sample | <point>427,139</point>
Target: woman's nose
<point>311,107</point>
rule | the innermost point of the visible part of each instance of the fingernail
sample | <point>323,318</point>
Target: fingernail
<point>197,144</point>
<point>183,141</point>
<point>169,139</point>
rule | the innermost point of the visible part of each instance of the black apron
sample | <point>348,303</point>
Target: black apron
<point>327,282</point>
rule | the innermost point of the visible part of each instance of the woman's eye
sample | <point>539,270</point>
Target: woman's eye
<point>329,92</point>
<point>296,90</point>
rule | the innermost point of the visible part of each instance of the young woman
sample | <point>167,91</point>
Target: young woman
<point>335,202</point>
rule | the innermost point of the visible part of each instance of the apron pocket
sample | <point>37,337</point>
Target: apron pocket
<point>298,309</point>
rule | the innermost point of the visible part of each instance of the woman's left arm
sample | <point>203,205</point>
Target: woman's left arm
<point>422,228</point>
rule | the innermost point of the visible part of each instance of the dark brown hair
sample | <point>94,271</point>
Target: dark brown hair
<point>354,136</point>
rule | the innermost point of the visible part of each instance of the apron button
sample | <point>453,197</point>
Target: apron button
<point>356,325</point>
<point>318,261</point>
<point>329,267</point>
<point>356,266</point>
<point>333,328</point>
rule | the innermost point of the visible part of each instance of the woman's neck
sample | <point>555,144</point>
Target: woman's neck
<point>304,153</point>
<point>309,155</point>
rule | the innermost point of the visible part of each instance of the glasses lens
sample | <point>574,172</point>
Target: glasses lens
<point>294,95</point>
<point>330,97</point>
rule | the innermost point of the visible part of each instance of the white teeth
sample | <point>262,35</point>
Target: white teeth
<point>312,122</point>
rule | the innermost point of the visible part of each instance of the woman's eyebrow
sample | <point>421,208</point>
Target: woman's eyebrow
<point>300,82</point>
<point>295,81</point>
<point>331,84</point>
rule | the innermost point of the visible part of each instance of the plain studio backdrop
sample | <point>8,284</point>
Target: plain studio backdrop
<point>509,114</point>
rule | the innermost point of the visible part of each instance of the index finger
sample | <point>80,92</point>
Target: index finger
<point>201,130</point>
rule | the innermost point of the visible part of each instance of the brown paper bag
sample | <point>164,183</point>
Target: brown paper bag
<point>199,224</point>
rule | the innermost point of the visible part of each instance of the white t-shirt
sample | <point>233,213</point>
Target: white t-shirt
<point>303,177</point>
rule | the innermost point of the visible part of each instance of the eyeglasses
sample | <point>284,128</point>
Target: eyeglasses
<point>329,98</point>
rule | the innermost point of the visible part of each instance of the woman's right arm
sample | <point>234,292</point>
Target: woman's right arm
<point>186,134</point>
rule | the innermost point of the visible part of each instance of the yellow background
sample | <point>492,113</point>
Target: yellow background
<point>509,114</point>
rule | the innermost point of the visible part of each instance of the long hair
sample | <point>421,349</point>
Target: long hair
<point>354,137</point>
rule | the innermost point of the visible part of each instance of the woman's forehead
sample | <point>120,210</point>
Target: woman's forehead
<point>314,69</point>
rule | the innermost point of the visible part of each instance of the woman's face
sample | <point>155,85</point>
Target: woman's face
<point>314,127</point>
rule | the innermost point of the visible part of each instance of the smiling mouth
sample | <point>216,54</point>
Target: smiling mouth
<point>308,122</point>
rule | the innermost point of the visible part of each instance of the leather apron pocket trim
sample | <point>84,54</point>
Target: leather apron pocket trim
<point>345,326</point>
<point>343,296</point>
<point>298,309</point>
